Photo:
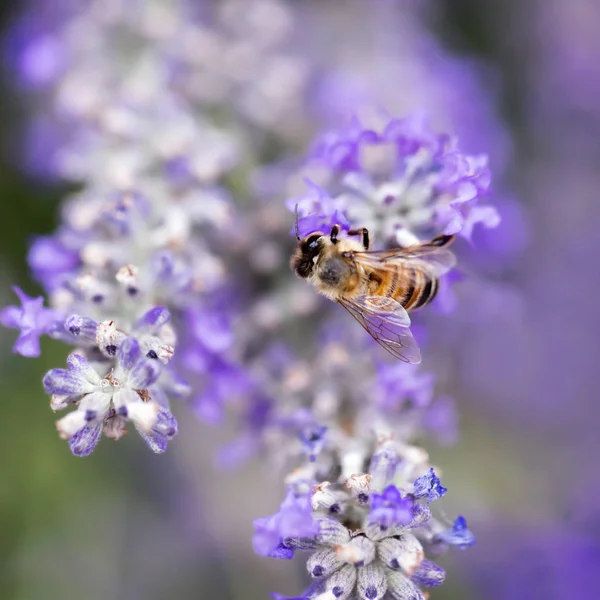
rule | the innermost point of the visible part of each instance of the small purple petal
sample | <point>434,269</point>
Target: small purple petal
<point>429,574</point>
<point>65,383</point>
<point>212,329</point>
<point>164,430</point>
<point>313,223</point>
<point>83,327</point>
<point>32,318</point>
<point>51,261</point>
<point>144,374</point>
<point>293,520</point>
<point>154,319</point>
<point>313,439</point>
<point>429,486</point>
<point>28,345</point>
<point>281,552</point>
<point>78,363</point>
<point>10,316</point>
<point>420,514</point>
<point>209,408</point>
<point>459,535</point>
<point>130,354</point>
<point>389,508</point>
<point>85,440</point>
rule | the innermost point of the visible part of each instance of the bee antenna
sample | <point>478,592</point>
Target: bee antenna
<point>296,222</point>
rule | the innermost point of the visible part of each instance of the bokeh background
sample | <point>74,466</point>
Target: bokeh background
<point>127,524</point>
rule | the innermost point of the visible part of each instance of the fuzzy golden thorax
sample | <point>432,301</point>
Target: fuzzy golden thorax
<point>328,265</point>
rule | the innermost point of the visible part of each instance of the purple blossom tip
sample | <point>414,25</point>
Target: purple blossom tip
<point>77,363</point>
<point>164,429</point>
<point>145,373</point>
<point>313,439</point>
<point>458,535</point>
<point>154,319</point>
<point>85,440</point>
<point>130,353</point>
<point>429,486</point>
<point>80,378</point>
<point>429,574</point>
<point>81,327</point>
<point>313,223</point>
<point>62,382</point>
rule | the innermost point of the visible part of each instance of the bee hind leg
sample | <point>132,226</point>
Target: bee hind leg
<point>364,232</point>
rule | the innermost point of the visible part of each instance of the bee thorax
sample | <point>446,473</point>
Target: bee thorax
<point>334,272</point>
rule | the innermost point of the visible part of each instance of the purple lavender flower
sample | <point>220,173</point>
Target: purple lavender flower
<point>458,535</point>
<point>429,486</point>
<point>280,534</point>
<point>107,401</point>
<point>399,383</point>
<point>51,260</point>
<point>389,508</point>
<point>402,181</point>
<point>370,561</point>
<point>32,318</point>
<point>375,540</point>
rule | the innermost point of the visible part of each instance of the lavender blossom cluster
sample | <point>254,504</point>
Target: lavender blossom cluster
<point>168,274</point>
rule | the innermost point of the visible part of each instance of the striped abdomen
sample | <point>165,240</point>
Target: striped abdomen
<point>412,287</point>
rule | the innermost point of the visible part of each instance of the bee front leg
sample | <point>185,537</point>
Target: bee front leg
<point>364,232</point>
<point>333,236</point>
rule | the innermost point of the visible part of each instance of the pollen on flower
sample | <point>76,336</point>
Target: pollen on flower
<point>58,402</point>
<point>127,276</point>
<point>144,395</point>
<point>359,483</point>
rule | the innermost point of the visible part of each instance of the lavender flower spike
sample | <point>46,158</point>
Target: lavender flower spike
<point>370,541</point>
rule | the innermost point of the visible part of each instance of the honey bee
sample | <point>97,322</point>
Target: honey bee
<point>376,288</point>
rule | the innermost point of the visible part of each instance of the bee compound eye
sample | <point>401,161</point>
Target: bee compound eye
<point>311,243</point>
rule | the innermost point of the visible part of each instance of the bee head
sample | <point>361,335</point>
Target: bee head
<point>303,260</point>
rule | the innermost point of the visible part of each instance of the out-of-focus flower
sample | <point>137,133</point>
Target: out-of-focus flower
<point>401,181</point>
<point>294,521</point>
<point>458,535</point>
<point>33,320</point>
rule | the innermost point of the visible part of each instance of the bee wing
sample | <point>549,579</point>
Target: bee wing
<point>431,259</point>
<point>387,322</point>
